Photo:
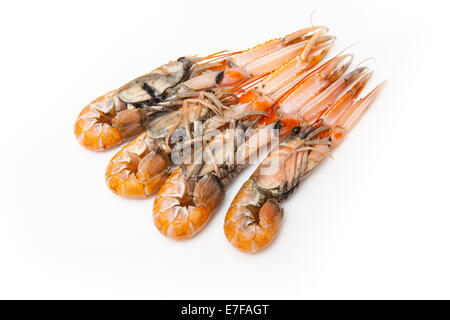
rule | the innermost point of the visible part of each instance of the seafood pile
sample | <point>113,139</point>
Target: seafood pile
<point>193,124</point>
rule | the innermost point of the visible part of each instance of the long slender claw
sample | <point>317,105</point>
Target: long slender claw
<point>328,97</point>
<point>276,59</point>
<point>355,112</point>
<point>306,50</point>
<point>283,79</point>
<point>314,83</point>
<point>262,59</point>
<point>270,61</point>
<point>252,54</point>
<point>300,33</point>
<point>335,113</point>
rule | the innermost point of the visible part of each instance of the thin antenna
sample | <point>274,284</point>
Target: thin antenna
<point>365,60</point>
<point>311,17</point>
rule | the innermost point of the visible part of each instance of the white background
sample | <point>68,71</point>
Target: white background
<point>372,223</point>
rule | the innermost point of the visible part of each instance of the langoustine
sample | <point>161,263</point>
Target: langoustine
<point>254,217</point>
<point>190,195</point>
<point>124,113</point>
<point>139,168</point>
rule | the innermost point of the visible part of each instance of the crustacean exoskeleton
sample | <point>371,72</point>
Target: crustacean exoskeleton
<point>125,112</point>
<point>187,199</point>
<point>140,167</point>
<point>254,217</point>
